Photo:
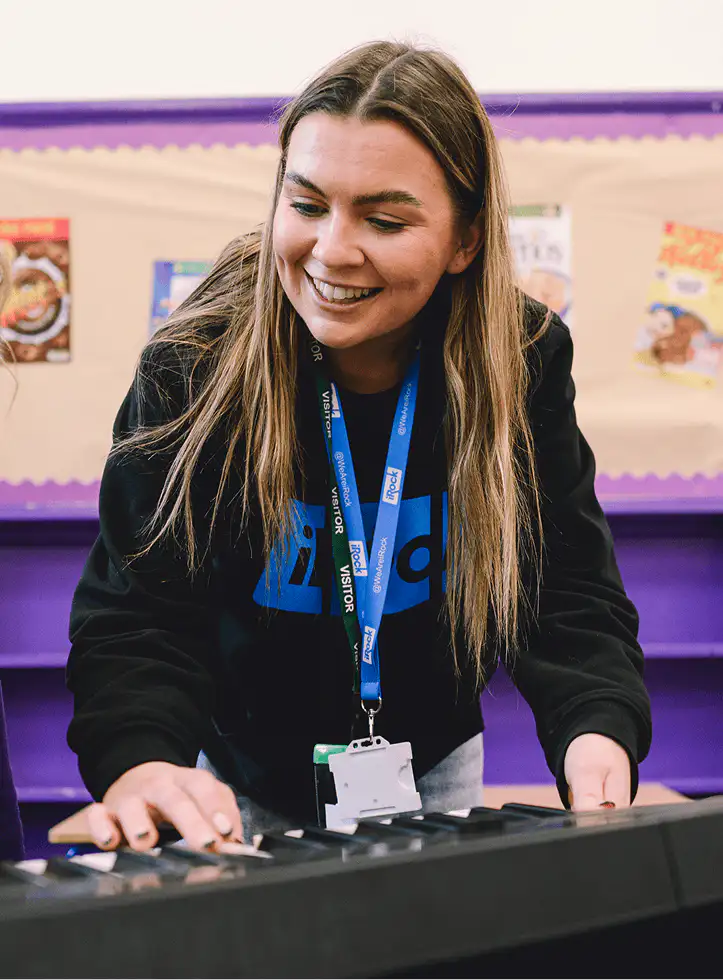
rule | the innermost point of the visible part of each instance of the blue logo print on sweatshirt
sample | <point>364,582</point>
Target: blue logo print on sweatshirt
<point>294,586</point>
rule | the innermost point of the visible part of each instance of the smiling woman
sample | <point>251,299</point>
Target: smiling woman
<point>349,466</point>
<point>358,255</point>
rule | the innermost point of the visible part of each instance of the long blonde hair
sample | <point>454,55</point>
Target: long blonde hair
<point>239,338</point>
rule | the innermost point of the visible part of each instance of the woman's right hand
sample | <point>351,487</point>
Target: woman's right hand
<point>201,808</point>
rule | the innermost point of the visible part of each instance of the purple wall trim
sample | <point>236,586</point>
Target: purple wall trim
<point>48,501</point>
<point>259,109</point>
<point>253,110</point>
<point>618,495</point>
<point>229,121</point>
<point>659,495</point>
<point>137,134</point>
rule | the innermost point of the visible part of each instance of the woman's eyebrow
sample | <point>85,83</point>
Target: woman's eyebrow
<point>387,197</point>
<point>294,178</point>
<point>379,197</point>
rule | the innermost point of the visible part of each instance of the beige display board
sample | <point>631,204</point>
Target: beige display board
<point>128,208</point>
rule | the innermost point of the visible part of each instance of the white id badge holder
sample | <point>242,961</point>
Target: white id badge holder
<point>372,778</point>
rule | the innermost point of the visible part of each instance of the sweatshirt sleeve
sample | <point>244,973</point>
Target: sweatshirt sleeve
<point>139,629</point>
<point>582,667</point>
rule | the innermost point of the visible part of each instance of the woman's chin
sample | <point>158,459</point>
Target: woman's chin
<point>338,336</point>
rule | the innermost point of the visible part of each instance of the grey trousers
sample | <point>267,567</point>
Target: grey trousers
<point>453,784</point>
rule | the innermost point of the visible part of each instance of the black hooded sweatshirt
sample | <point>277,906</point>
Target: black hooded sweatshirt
<point>255,668</point>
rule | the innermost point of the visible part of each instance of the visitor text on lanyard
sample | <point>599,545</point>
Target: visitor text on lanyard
<point>362,579</point>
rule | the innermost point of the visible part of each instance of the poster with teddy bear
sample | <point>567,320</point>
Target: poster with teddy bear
<point>681,337</point>
<point>35,321</point>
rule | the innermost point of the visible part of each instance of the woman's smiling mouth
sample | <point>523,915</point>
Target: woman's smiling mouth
<point>341,295</point>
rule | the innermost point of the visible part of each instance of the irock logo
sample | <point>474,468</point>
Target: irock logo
<point>302,581</point>
<point>368,648</point>
<point>392,485</point>
<point>358,559</point>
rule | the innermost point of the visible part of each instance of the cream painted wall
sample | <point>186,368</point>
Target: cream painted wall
<point>86,49</point>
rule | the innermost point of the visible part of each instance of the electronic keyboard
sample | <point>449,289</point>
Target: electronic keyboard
<point>517,889</point>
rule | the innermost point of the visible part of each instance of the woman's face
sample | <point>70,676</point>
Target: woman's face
<point>364,228</point>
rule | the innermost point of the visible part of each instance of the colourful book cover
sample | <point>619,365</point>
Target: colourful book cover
<point>173,282</point>
<point>542,243</point>
<point>681,337</point>
<point>35,321</point>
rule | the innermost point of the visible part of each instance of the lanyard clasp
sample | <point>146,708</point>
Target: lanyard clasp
<point>370,713</point>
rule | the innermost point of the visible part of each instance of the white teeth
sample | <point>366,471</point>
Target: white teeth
<point>336,294</point>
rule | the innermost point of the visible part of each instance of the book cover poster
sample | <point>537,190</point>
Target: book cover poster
<point>542,243</point>
<point>35,320</point>
<point>173,282</point>
<point>681,336</point>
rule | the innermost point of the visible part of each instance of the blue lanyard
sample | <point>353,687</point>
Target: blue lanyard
<point>370,572</point>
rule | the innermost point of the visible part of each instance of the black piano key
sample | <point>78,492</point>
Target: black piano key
<point>12,872</point>
<point>223,860</point>
<point>60,867</point>
<point>336,838</point>
<point>129,863</point>
<point>387,831</point>
<point>188,856</point>
<point>286,848</point>
<point>528,810</point>
<point>509,816</point>
<point>485,822</point>
<point>423,826</point>
<point>83,877</point>
<point>14,879</point>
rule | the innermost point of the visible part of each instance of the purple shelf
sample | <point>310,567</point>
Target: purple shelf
<point>678,651</point>
<point>696,787</point>
<point>84,512</point>
<point>52,794</point>
<point>32,660</point>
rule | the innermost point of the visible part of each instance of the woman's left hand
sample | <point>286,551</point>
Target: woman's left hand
<point>597,770</point>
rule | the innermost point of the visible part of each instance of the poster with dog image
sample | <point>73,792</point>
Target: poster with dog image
<point>35,320</point>
<point>681,336</point>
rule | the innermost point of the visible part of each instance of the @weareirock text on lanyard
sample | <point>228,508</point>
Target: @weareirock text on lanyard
<point>362,590</point>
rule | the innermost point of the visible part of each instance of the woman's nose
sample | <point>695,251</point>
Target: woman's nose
<point>336,245</point>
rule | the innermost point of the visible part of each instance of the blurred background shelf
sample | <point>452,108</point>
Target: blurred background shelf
<point>672,565</point>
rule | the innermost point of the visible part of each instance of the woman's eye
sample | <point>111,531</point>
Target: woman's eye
<point>308,210</point>
<point>388,226</point>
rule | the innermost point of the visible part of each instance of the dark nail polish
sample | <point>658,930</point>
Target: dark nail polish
<point>107,843</point>
<point>143,834</point>
<point>209,844</point>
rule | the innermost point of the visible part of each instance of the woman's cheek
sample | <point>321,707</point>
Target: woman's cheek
<point>288,236</point>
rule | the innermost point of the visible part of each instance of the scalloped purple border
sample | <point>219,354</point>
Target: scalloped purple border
<point>207,122</point>
<point>618,495</point>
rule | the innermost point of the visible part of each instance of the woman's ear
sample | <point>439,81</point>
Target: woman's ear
<point>469,245</point>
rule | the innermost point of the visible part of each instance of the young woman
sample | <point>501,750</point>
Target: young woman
<point>11,838</point>
<point>231,609</point>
